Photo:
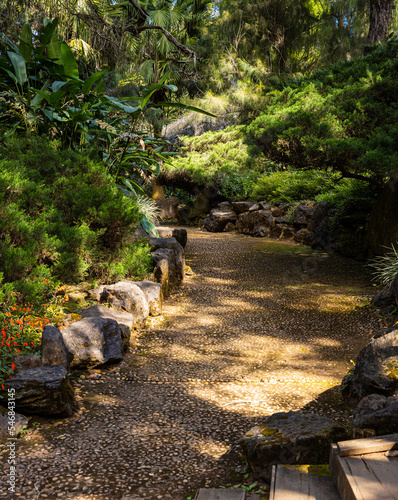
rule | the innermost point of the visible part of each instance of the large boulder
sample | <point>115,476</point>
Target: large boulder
<point>377,412</point>
<point>168,207</point>
<point>290,438</point>
<point>53,348</point>
<point>248,222</point>
<point>207,199</point>
<point>388,296</point>
<point>126,296</point>
<point>154,296</point>
<point>124,319</point>
<point>376,369</point>
<point>11,424</point>
<point>45,390</point>
<point>319,234</point>
<point>172,251</point>
<point>241,206</point>
<point>216,221</point>
<point>302,215</point>
<point>93,341</point>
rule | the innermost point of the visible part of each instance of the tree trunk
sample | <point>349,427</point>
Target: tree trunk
<point>380,18</point>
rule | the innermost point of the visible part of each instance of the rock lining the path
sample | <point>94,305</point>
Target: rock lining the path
<point>377,412</point>
<point>100,336</point>
<point>290,438</point>
<point>27,362</point>
<point>93,341</point>
<point>125,296</point>
<point>124,319</point>
<point>170,250</point>
<point>376,368</point>
<point>53,349</point>
<point>45,390</point>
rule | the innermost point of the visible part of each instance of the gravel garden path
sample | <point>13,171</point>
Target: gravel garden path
<point>260,327</point>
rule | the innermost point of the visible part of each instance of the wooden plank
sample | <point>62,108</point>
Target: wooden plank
<point>273,480</point>
<point>295,484</point>
<point>385,471</point>
<point>220,494</point>
<point>346,485</point>
<point>366,481</point>
<point>368,445</point>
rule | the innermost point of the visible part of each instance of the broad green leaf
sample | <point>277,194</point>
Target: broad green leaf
<point>19,67</point>
<point>57,85</point>
<point>91,80</point>
<point>25,43</point>
<point>49,30</point>
<point>69,61</point>
<point>164,77</point>
<point>53,115</point>
<point>54,49</point>
<point>113,101</point>
<point>11,75</point>
<point>100,87</point>
<point>152,89</point>
<point>148,227</point>
<point>38,98</point>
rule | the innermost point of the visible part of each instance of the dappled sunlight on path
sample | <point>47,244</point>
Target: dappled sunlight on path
<point>261,327</point>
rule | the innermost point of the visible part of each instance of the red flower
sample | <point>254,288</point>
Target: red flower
<point>13,366</point>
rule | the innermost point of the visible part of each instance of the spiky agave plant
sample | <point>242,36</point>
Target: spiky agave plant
<point>385,266</point>
<point>150,214</point>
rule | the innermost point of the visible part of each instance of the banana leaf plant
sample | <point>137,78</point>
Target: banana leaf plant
<point>41,93</point>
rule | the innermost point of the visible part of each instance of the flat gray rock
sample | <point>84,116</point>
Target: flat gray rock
<point>290,438</point>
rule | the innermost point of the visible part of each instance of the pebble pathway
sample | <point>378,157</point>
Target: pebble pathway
<point>260,327</point>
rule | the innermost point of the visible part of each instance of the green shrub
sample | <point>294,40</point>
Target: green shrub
<point>61,216</point>
<point>225,152</point>
<point>342,117</point>
<point>292,186</point>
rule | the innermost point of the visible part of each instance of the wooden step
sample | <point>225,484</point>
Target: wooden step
<point>292,483</point>
<point>368,445</point>
<point>224,494</point>
<point>365,476</point>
